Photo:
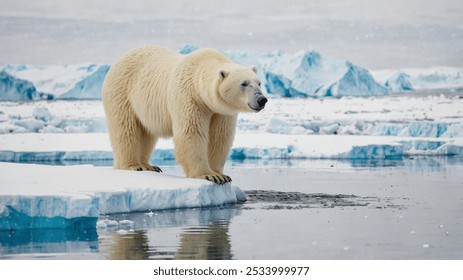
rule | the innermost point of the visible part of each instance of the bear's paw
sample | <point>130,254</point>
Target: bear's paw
<point>219,179</point>
<point>145,168</point>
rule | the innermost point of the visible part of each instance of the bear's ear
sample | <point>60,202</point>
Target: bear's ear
<point>223,74</point>
<point>254,68</point>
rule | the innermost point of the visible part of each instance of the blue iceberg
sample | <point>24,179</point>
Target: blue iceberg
<point>309,73</point>
<point>34,82</point>
<point>14,89</point>
<point>415,79</point>
<point>90,86</point>
<point>399,82</point>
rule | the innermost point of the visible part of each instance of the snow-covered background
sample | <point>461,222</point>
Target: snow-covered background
<point>306,73</point>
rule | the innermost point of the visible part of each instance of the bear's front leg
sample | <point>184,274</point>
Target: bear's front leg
<point>194,160</point>
<point>191,138</point>
<point>221,135</point>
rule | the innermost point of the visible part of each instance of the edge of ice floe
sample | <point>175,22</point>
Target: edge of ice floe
<point>40,196</point>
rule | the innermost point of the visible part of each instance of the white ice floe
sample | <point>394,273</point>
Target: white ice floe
<point>39,196</point>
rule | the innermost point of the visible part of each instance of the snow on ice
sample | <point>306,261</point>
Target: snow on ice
<point>402,115</point>
<point>40,196</point>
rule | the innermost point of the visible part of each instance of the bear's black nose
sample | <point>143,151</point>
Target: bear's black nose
<point>261,100</point>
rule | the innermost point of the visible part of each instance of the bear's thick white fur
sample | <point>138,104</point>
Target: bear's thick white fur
<point>154,92</point>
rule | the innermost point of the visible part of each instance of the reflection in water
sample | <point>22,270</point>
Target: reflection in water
<point>195,243</point>
<point>211,243</point>
<point>133,246</point>
<point>170,234</point>
<point>374,163</point>
<point>412,163</point>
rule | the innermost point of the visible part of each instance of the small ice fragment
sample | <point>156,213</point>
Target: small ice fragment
<point>412,232</point>
<point>101,225</point>
<point>441,226</point>
<point>110,223</point>
<point>426,245</point>
<point>126,224</point>
<point>150,214</point>
<point>122,231</point>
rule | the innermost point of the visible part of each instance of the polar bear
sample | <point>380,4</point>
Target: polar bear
<point>153,92</point>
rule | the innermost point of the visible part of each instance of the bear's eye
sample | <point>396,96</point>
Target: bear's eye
<point>258,83</point>
<point>245,84</point>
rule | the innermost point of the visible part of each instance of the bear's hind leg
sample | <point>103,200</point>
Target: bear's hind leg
<point>125,133</point>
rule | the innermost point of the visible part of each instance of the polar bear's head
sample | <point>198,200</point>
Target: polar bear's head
<point>239,90</point>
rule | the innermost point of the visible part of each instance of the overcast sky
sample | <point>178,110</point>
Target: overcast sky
<point>372,33</point>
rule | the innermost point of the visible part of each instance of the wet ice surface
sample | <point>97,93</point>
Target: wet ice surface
<point>403,209</point>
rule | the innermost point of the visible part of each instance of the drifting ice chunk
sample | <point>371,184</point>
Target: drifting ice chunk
<point>329,129</point>
<point>275,125</point>
<point>42,113</point>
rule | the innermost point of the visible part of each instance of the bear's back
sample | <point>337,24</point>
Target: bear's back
<point>206,55</point>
